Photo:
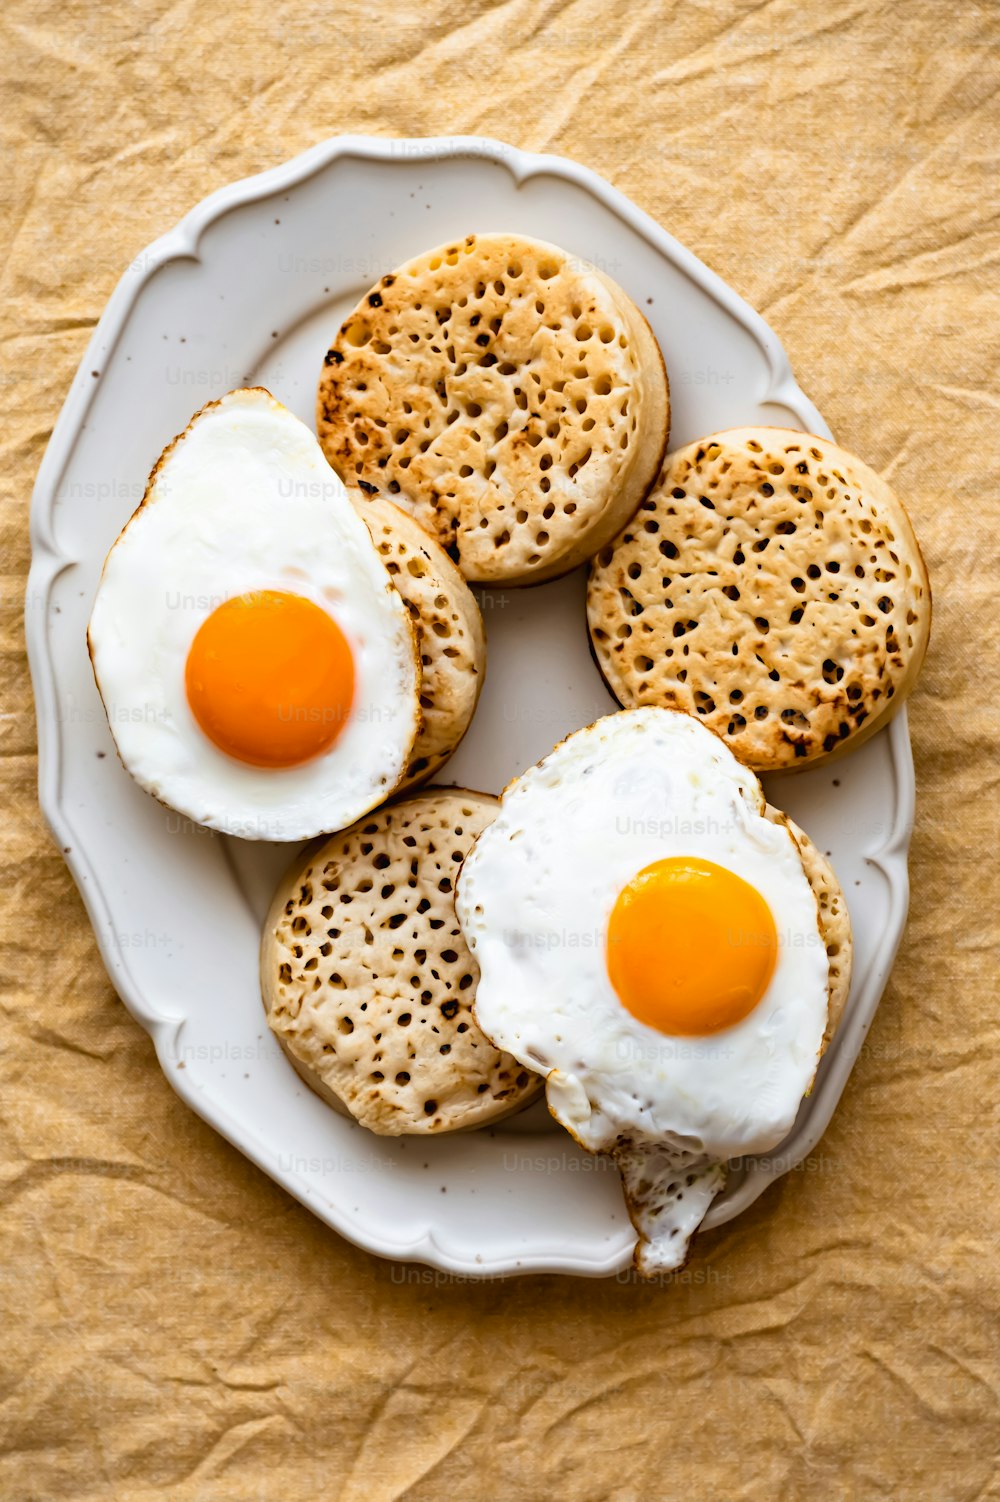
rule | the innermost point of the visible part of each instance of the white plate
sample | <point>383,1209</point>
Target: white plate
<point>249,288</point>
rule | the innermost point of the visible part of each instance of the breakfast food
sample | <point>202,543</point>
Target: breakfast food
<point>368,983</point>
<point>288,650</point>
<point>510,397</point>
<point>649,939</point>
<point>257,664</point>
<point>834,920</point>
<point>450,636</point>
<point>771,584</point>
<point>652,1176</point>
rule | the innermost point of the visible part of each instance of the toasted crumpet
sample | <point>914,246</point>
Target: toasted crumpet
<point>834,920</point>
<point>368,983</point>
<point>511,398</point>
<point>656,1177</point>
<point>449,627</point>
<point>770,583</point>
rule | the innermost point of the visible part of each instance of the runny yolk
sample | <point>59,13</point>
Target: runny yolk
<point>691,946</point>
<point>270,678</point>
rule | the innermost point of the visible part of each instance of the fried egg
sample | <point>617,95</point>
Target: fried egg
<point>650,942</point>
<point>258,666</point>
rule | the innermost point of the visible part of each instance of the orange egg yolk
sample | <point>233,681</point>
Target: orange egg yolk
<point>691,947</point>
<point>270,678</point>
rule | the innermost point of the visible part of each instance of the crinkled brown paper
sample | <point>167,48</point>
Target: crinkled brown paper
<point>173,1324</point>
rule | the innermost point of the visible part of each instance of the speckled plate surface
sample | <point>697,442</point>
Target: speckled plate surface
<point>248,289</point>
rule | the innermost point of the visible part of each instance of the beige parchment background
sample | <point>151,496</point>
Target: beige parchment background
<point>171,1324</point>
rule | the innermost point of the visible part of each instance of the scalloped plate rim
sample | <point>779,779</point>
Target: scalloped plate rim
<point>181,243</point>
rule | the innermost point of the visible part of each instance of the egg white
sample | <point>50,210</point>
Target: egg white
<point>245,500</point>
<point>534,900</point>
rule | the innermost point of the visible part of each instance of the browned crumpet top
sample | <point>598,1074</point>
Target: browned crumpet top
<point>770,583</point>
<point>510,397</point>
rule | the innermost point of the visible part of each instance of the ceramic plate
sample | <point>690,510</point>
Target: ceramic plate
<point>248,289</point>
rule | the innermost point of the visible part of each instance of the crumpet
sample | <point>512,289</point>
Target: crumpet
<point>450,637</point>
<point>771,584</point>
<point>368,983</point>
<point>834,920</point>
<point>509,397</point>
